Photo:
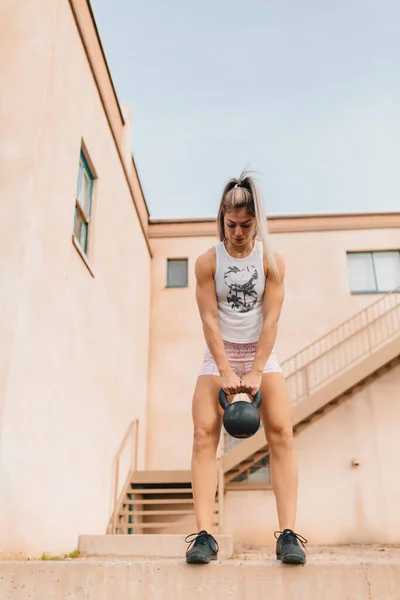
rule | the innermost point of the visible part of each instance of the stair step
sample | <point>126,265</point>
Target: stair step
<point>161,477</point>
<point>155,512</point>
<point>158,501</point>
<point>167,577</point>
<point>165,545</point>
<point>160,491</point>
<point>149,513</point>
<point>154,525</point>
<point>234,471</point>
<point>149,528</point>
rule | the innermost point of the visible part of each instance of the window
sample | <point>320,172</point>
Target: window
<point>257,474</point>
<point>83,204</point>
<point>371,272</point>
<point>177,272</point>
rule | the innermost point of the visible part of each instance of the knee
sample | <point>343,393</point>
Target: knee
<point>280,438</point>
<point>205,438</point>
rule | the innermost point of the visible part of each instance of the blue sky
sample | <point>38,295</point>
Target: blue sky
<point>305,93</point>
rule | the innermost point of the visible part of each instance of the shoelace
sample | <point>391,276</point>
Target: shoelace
<point>289,534</point>
<point>200,538</point>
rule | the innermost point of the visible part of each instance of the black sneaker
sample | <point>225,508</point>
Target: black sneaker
<point>204,549</point>
<point>288,549</point>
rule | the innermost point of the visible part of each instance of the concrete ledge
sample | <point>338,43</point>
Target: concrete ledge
<point>145,546</point>
<point>174,580</point>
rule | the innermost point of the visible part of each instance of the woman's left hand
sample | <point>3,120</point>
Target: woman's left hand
<point>251,383</point>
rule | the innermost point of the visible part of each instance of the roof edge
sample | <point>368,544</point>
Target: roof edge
<point>95,54</point>
<point>179,220</point>
<point>199,227</point>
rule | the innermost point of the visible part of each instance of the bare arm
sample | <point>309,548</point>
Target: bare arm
<point>207,303</point>
<point>273,301</point>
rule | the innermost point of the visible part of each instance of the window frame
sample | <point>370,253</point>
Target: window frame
<point>79,208</point>
<point>85,165</point>
<point>175,286</point>
<point>371,253</point>
<point>246,483</point>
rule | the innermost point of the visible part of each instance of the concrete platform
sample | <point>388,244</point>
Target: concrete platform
<point>144,546</point>
<point>328,575</point>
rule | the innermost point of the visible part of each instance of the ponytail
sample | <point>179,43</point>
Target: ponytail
<point>244,193</point>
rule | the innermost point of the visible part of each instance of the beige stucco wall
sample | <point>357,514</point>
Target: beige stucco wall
<point>318,295</point>
<point>317,299</point>
<point>338,503</point>
<point>175,353</point>
<point>73,347</point>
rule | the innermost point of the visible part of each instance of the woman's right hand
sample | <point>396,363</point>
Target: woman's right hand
<point>230,382</point>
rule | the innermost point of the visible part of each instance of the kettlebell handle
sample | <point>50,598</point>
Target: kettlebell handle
<point>223,400</point>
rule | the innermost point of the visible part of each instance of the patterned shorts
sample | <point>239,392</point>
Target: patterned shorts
<point>240,357</point>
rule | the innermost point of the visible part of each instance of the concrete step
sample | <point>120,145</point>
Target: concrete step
<point>157,501</point>
<point>160,490</point>
<point>160,527</point>
<point>161,477</point>
<point>144,546</point>
<point>94,579</point>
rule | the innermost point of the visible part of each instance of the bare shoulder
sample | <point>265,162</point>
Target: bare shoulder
<point>280,267</point>
<point>205,265</point>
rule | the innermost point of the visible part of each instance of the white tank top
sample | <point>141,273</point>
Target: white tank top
<point>240,284</point>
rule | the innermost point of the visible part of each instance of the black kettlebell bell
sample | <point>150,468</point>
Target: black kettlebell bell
<point>241,418</point>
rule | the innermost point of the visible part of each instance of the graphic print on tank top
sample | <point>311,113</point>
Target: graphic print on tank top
<point>242,296</point>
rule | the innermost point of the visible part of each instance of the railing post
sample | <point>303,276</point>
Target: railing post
<point>135,443</point>
<point>132,435</point>
<point>369,337</point>
<point>306,384</point>
<point>116,481</point>
<point>368,328</point>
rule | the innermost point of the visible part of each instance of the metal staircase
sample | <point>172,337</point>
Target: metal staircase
<point>327,372</point>
<point>156,502</point>
<point>320,377</point>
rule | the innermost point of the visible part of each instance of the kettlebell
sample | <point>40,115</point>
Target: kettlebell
<point>241,419</point>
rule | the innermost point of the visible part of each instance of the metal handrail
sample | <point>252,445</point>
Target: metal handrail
<point>350,341</point>
<point>351,319</point>
<point>133,434</point>
<point>359,336</point>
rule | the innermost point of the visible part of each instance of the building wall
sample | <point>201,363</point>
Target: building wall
<point>317,299</point>
<point>337,502</point>
<point>73,347</point>
<point>176,347</point>
<point>76,361</point>
<point>318,294</point>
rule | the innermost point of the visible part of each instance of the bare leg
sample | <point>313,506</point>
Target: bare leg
<point>276,413</point>
<point>207,421</point>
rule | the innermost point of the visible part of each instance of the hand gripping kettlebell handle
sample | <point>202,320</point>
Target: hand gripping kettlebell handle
<point>223,400</point>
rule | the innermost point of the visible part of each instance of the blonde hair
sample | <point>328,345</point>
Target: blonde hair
<point>244,193</point>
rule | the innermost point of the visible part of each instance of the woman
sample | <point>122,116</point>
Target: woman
<point>240,291</point>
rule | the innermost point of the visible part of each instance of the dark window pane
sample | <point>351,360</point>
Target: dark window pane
<point>177,272</point>
<point>80,230</point>
<point>85,198</point>
<point>259,473</point>
<point>240,478</point>
<point>84,188</point>
<point>79,182</point>
<point>83,207</point>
